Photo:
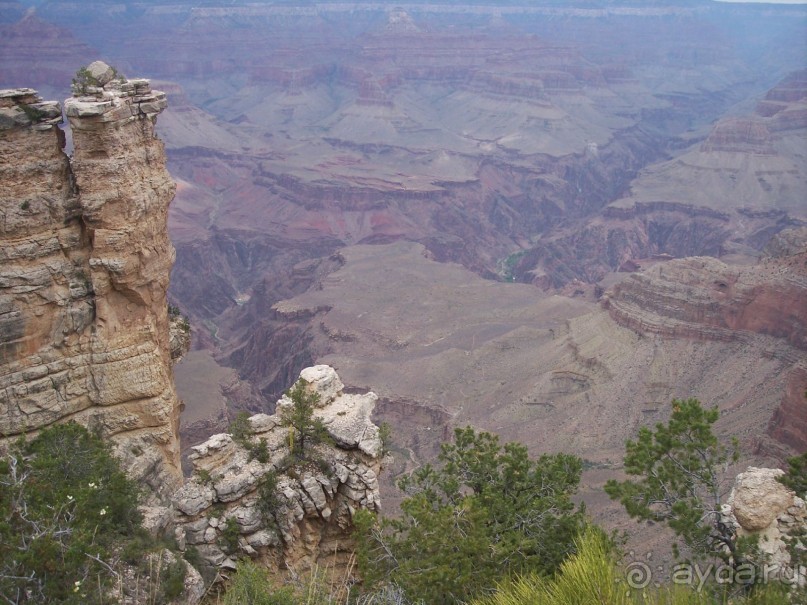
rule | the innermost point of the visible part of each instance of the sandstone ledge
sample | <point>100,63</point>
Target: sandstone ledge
<point>704,299</point>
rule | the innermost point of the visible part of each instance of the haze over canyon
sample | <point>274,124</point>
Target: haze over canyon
<point>543,219</point>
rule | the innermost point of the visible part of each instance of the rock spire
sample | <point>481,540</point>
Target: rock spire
<point>84,267</point>
<point>303,520</point>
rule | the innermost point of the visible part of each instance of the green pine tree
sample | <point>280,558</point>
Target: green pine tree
<point>486,512</point>
<point>308,430</point>
<point>681,480</point>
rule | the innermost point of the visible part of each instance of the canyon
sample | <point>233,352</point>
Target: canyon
<point>546,221</point>
<point>87,336</point>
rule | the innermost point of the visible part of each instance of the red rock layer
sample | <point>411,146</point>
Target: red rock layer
<point>704,299</point>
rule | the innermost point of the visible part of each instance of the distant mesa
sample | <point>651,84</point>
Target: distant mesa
<point>740,135</point>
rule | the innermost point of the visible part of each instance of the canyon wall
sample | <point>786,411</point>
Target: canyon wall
<point>701,298</point>
<point>84,328</point>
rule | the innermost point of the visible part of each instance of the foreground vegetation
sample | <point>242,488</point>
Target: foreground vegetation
<point>69,524</point>
<point>484,512</point>
<point>485,525</point>
<point>593,576</point>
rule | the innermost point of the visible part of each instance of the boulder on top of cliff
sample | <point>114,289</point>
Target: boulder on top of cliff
<point>758,498</point>
<point>325,381</point>
<point>101,72</point>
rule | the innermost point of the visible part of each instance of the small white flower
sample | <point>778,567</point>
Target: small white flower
<point>76,585</point>
<point>69,498</point>
<point>102,512</point>
<point>92,485</point>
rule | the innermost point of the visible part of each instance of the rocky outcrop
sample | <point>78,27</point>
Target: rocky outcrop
<point>702,298</point>
<point>179,337</point>
<point>759,505</point>
<point>741,135</point>
<point>249,496</point>
<point>84,331</point>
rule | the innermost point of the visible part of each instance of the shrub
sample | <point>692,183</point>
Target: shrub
<point>260,451</point>
<point>193,557</point>
<point>268,501</point>
<point>204,476</point>
<point>593,575</point>
<point>251,586</point>
<point>172,580</point>
<point>486,513</point>
<point>229,536</point>
<point>67,511</point>
<point>241,429</point>
<point>385,435</point>
<point>796,479</point>
<point>681,476</point>
<point>307,429</point>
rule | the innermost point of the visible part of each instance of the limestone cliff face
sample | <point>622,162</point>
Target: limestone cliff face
<point>303,519</point>
<point>84,330</point>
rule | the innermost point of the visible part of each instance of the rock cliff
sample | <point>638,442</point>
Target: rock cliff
<point>761,506</point>
<point>248,497</point>
<point>702,298</point>
<point>84,329</point>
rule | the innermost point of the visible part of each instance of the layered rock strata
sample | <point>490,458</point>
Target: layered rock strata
<point>84,329</point>
<point>291,515</point>
<point>702,298</point>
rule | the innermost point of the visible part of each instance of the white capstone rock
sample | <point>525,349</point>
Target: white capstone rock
<point>325,381</point>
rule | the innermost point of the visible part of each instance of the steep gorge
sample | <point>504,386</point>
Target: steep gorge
<point>86,336</point>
